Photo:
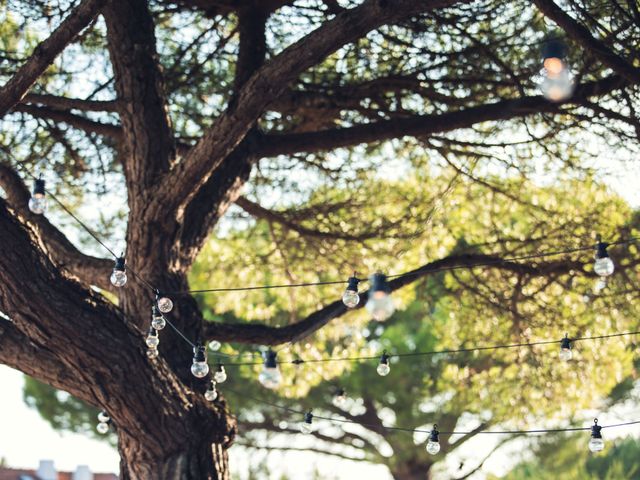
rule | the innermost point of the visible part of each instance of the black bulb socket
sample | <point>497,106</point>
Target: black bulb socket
<point>433,436</point>
<point>352,284</point>
<point>601,250</point>
<point>269,358</point>
<point>119,266</point>
<point>38,187</point>
<point>565,343</point>
<point>554,48</point>
<point>596,430</point>
<point>384,359</point>
<point>379,283</point>
<point>199,356</point>
<point>308,418</point>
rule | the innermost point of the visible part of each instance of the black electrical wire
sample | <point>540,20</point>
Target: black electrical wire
<point>409,273</point>
<point>298,361</point>
<point>417,430</point>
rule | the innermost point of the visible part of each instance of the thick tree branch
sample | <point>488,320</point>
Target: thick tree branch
<point>421,125</point>
<point>271,80</point>
<point>213,199</point>
<point>88,269</point>
<point>583,36</point>
<point>266,335</point>
<point>19,352</point>
<point>12,92</point>
<point>147,132</point>
<point>100,351</point>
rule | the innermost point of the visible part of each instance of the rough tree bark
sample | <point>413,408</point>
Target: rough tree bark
<point>71,337</point>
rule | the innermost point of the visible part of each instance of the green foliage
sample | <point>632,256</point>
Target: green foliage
<point>567,457</point>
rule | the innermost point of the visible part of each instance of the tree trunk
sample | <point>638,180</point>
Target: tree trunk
<point>198,461</point>
<point>412,471</point>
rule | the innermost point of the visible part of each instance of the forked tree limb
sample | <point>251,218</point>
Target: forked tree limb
<point>44,54</point>
<point>270,81</point>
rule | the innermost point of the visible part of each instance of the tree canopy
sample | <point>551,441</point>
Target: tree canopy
<point>226,143</point>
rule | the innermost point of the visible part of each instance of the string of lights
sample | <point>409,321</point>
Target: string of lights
<point>306,426</point>
<point>380,306</point>
<point>565,341</point>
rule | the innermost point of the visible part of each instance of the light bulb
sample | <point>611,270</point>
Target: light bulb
<point>270,376</point>
<point>221,374</point>
<point>102,428</point>
<point>157,320</point>
<point>152,340</point>
<point>165,305</point>
<point>557,86</point>
<point>306,426</point>
<point>565,349</point>
<point>603,265</point>
<point>211,394</point>
<point>383,367</point>
<point>103,417</point>
<point>38,200</point>
<point>152,353</point>
<point>199,368</point>
<point>596,443</point>
<point>433,445</point>
<point>555,81</point>
<point>351,297</point>
<point>379,304</point>
<point>214,345</point>
<point>119,276</point>
<point>340,398</point>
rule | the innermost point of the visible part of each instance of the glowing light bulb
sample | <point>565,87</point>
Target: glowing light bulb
<point>380,304</point>
<point>339,398</point>
<point>102,428</point>
<point>351,297</point>
<point>157,320</point>
<point>214,345</point>
<point>603,265</point>
<point>383,367</point>
<point>119,276</point>
<point>556,80</point>
<point>152,340</point>
<point>596,443</point>
<point>306,426</point>
<point>221,374</point>
<point>270,376</point>
<point>565,349</point>
<point>165,305</point>
<point>211,394</point>
<point>199,368</point>
<point>152,353</point>
<point>433,445</point>
<point>103,417</point>
<point>38,200</point>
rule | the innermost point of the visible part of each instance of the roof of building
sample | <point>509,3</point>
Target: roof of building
<point>25,474</point>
